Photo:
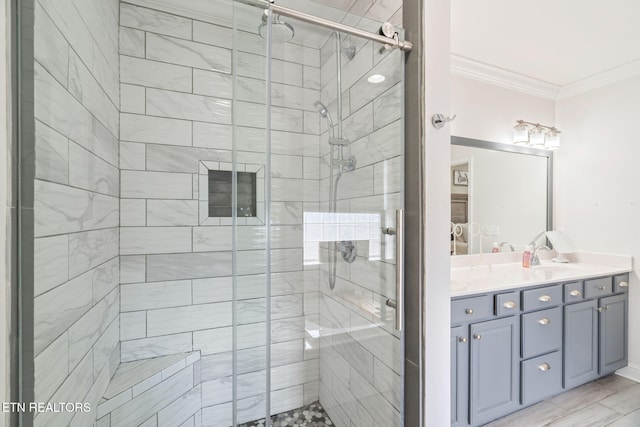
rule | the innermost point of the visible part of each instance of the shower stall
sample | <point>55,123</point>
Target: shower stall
<point>215,188</point>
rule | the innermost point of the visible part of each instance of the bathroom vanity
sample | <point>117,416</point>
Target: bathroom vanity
<point>519,336</point>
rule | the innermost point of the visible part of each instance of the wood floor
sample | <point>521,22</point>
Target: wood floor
<point>612,401</point>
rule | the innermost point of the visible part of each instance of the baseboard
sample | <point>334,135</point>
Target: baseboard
<point>631,371</point>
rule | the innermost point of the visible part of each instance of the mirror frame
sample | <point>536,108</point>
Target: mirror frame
<point>511,148</point>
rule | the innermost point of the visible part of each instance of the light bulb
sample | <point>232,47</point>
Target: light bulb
<point>520,134</point>
<point>536,138</point>
<point>552,140</point>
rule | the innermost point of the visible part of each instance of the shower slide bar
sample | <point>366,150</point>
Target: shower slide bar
<point>403,45</point>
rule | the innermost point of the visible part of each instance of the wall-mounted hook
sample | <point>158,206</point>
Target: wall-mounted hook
<point>439,120</point>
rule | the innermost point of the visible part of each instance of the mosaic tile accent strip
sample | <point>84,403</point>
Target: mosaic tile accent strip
<point>312,415</point>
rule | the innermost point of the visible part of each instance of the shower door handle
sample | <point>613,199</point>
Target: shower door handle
<point>398,303</point>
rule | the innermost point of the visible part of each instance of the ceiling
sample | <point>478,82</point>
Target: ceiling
<point>559,42</point>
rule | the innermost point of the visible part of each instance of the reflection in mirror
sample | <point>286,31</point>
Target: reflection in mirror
<point>500,193</point>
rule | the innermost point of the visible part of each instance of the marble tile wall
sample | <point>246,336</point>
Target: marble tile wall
<point>176,72</point>
<point>360,351</point>
<point>76,264</point>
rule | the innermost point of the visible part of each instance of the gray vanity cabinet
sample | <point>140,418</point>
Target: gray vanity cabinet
<point>580,343</point>
<point>494,371</point>
<point>613,314</point>
<point>459,376</point>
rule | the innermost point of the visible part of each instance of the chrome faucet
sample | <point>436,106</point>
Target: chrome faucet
<point>508,244</point>
<point>534,255</point>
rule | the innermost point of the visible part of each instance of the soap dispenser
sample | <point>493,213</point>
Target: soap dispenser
<point>496,248</point>
<point>526,256</point>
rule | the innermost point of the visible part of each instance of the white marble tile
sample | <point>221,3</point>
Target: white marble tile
<point>155,295</point>
<point>311,78</point>
<point>182,319</point>
<point>57,108</point>
<point>105,144</point>
<point>213,341</point>
<point>282,119</point>
<point>217,366</point>
<point>182,409</point>
<point>286,166</point>
<point>132,155</point>
<point>217,415</point>
<point>131,42</point>
<point>373,403</point>
<point>154,240</point>
<point>51,368</point>
<point>105,71</point>
<point>89,249</point>
<point>52,159</point>
<point>388,176</point>
<point>212,135</point>
<point>250,65</point>
<point>387,107</point>
<point>168,158</point>
<point>217,391</point>
<point>157,130</point>
<point>93,397</point>
<point>311,123</point>
<point>294,374</point>
<point>56,310</point>
<point>286,237</point>
<point>211,83</point>
<point>105,346</point>
<point>155,185</point>
<point>132,268</point>
<point>133,325</point>
<point>289,329</point>
<point>132,212</point>
<point>172,212</point>
<point>188,266</point>
<point>155,74</point>
<point>154,21</point>
<point>106,277</point>
<point>382,144</point>
<point>50,47</point>
<point>156,346</point>
<point>91,173</point>
<point>359,123</point>
<point>213,34</point>
<point>287,398</point>
<point>188,53</point>
<point>188,107</point>
<point>51,265</point>
<point>286,190</point>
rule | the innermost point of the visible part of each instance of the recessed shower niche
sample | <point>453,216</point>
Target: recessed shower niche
<point>215,191</point>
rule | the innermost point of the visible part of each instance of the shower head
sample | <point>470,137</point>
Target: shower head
<point>322,109</point>
<point>281,32</point>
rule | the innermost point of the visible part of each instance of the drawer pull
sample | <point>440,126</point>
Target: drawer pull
<point>510,304</point>
<point>623,284</point>
<point>469,311</point>
<point>544,298</point>
<point>462,339</point>
<point>601,288</point>
<point>544,321</point>
<point>601,309</point>
<point>477,337</point>
<point>544,367</point>
<point>575,293</point>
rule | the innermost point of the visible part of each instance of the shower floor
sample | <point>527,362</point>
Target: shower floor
<point>312,415</point>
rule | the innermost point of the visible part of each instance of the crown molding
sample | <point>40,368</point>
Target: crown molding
<point>599,80</point>
<point>480,71</point>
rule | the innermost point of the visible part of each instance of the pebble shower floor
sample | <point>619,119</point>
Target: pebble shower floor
<point>312,415</point>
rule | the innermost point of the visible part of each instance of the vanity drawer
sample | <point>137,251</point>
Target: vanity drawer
<point>507,303</point>
<point>535,299</point>
<point>621,283</point>
<point>541,377</point>
<point>541,332</point>
<point>597,287</point>
<point>573,292</point>
<point>471,309</point>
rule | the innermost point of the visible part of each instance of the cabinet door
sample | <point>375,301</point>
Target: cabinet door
<point>613,333</point>
<point>494,370</point>
<point>580,343</point>
<point>459,376</point>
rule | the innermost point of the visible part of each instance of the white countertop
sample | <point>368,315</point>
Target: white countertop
<point>478,278</point>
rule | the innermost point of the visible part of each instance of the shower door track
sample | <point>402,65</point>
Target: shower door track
<point>403,45</point>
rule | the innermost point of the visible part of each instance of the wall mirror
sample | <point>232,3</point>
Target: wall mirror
<point>499,193</point>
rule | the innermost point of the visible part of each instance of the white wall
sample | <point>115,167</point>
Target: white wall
<point>597,196</point>
<point>489,112</point>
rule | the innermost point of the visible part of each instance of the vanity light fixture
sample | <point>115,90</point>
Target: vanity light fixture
<point>536,135</point>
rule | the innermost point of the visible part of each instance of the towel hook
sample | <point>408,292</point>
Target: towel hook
<point>439,120</point>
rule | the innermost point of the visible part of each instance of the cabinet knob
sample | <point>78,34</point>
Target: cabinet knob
<point>510,304</point>
<point>544,367</point>
<point>601,309</point>
<point>477,337</point>
<point>601,288</point>
<point>544,321</point>
<point>469,311</point>
<point>544,298</point>
<point>462,339</point>
<point>623,284</point>
<point>575,293</point>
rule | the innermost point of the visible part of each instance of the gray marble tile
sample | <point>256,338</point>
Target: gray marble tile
<point>52,159</point>
<point>51,265</point>
<point>172,212</point>
<point>133,325</point>
<point>212,135</point>
<point>56,310</point>
<point>155,74</point>
<point>91,173</point>
<point>182,319</point>
<point>133,269</point>
<point>133,155</point>
<point>156,346</point>
<point>188,53</point>
<point>132,99</point>
<point>167,158</point>
<point>154,295</point>
<point>624,402</point>
<point>212,290</point>
<point>106,277</point>
<point>90,249</point>
<point>50,47</point>
<point>184,106</point>
<point>594,415</point>
<point>211,83</point>
<point>155,21</point>
<point>156,130</point>
<point>51,368</point>
<point>154,240</point>
<point>131,42</point>
<point>61,209</point>
<point>188,266</point>
<point>155,185</point>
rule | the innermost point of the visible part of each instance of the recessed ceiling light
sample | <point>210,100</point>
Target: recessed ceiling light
<point>376,78</point>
